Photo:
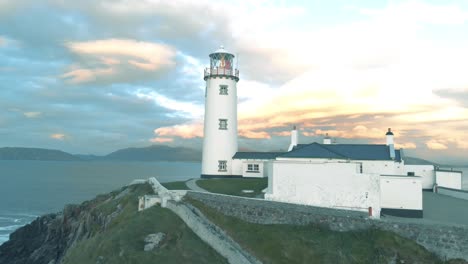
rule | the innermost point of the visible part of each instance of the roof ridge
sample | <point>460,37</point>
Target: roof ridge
<point>339,154</point>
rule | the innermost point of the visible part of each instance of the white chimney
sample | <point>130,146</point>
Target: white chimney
<point>390,143</point>
<point>326,139</point>
<point>294,138</point>
<point>389,136</point>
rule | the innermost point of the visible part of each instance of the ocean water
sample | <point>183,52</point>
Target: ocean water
<point>29,189</point>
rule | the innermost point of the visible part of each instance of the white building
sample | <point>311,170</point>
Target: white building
<point>362,177</point>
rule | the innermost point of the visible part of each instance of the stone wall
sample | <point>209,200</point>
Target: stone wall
<point>446,241</point>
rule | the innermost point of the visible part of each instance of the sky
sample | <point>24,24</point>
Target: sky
<point>92,77</point>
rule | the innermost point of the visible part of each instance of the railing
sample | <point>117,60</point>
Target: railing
<point>221,71</point>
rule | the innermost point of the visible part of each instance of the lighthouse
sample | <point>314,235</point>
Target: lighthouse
<point>220,125</point>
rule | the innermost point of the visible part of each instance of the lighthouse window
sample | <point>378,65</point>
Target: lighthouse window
<point>222,165</point>
<point>223,124</point>
<point>223,89</point>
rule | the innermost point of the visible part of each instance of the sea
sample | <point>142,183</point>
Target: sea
<point>29,189</point>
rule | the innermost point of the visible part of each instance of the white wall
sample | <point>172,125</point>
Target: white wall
<point>382,167</point>
<point>449,179</point>
<point>219,144</point>
<point>237,167</point>
<point>401,192</point>
<point>426,172</point>
<point>333,185</point>
<point>368,166</point>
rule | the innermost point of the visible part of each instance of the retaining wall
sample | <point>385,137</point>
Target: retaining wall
<point>445,241</point>
<point>460,194</point>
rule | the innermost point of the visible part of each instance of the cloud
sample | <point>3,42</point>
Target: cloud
<point>187,109</point>
<point>119,59</point>
<point>161,140</point>
<point>435,144</point>
<point>421,12</point>
<point>32,114</point>
<point>185,131</point>
<point>254,134</point>
<point>58,136</point>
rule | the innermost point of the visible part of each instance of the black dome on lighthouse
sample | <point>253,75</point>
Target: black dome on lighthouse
<point>389,132</point>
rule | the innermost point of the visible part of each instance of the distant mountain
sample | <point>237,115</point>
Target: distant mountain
<point>418,161</point>
<point>155,153</point>
<point>15,153</point>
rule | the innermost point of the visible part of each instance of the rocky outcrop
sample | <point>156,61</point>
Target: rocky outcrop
<point>152,241</point>
<point>47,239</point>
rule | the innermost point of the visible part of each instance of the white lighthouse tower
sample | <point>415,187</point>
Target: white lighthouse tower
<point>220,131</point>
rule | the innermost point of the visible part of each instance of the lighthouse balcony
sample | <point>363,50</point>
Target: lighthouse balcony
<point>221,72</point>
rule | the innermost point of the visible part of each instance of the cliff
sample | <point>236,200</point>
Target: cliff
<point>107,229</point>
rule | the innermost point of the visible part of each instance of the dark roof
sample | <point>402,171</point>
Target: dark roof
<point>256,155</point>
<point>343,151</point>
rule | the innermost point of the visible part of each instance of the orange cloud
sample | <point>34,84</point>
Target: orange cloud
<point>161,140</point>
<point>58,136</point>
<point>86,75</point>
<point>284,133</point>
<point>254,134</point>
<point>185,131</point>
<point>405,145</point>
<point>118,57</point>
<point>435,144</point>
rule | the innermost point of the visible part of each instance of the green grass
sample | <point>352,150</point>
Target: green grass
<point>177,185</point>
<point>317,244</point>
<point>122,241</point>
<point>234,186</point>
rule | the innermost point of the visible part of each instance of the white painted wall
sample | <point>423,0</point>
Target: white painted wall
<point>382,167</point>
<point>368,166</point>
<point>401,192</point>
<point>219,144</point>
<point>449,179</point>
<point>237,167</point>
<point>426,172</point>
<point>330,184</point>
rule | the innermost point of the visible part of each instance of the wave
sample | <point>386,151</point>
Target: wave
<point>4,238</point>
<point>10,227</point>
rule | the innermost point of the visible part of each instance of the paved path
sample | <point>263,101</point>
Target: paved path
<point>192,185</point>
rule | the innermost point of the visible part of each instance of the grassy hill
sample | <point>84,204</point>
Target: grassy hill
<point>155,153</point>
<point>16,153</point>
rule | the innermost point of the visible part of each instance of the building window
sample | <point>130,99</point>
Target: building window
<point>222,165</point>
<point>223,89</point>
<point>253,167</point>
<point>223,124</point>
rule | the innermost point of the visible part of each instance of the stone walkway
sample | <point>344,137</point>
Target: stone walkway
<point>192,185</point>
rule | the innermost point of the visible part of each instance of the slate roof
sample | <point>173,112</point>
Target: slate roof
<point>257,155</point>
<point>342,151</point>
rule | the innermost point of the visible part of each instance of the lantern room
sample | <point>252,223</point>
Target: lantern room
<point>221,65</point>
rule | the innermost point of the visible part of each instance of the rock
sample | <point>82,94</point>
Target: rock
<point>153,240</point>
